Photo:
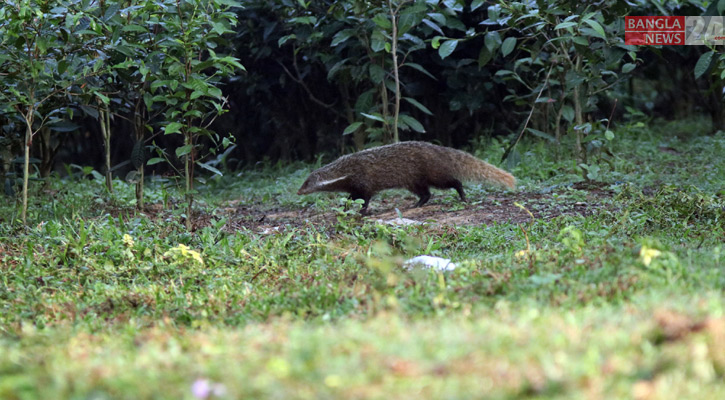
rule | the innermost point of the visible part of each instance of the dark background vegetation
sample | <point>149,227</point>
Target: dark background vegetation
<point>303,86</point>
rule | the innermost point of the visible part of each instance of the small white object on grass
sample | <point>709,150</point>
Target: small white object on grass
<point>430,262</point>
<point>399,221</point>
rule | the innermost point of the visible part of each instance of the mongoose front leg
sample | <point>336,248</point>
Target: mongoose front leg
<point>423,193</point>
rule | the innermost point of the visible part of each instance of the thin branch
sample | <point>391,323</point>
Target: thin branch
<point>298,79</point>
<point>533,107</point>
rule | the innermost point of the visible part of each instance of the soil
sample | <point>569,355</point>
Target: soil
<point>493,209</point>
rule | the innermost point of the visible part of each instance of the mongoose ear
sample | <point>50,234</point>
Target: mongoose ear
<point>329,182</point>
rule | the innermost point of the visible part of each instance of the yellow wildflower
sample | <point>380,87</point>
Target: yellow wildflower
<point>183,252</point>
<point>128,240</point>
<point>646,254</point>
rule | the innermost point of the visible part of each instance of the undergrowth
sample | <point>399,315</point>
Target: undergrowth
<point>100,301</point>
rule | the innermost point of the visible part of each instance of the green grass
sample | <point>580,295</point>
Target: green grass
<point>99,301</point>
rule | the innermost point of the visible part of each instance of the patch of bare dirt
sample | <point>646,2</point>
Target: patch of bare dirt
<point>494,209</point>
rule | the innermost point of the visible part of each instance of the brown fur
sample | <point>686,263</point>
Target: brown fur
<point>415,166</point>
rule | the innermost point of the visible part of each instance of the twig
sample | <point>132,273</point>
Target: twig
<point>301,82</point>
<point>546,82</point>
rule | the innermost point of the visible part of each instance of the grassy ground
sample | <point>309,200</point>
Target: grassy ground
<point>624,300</point>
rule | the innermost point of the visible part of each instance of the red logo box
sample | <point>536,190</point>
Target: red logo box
<point>656,30</point>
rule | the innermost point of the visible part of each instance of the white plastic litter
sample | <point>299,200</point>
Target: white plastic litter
<point>399,221</point>
<point>430,262</point>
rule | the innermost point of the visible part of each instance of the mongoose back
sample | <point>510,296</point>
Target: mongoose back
<point>415,166</point>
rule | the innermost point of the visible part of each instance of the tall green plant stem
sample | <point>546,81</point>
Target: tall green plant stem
<point>29,115</point>
<point>105,119</point>
<point>578,111</point>
<point>394,50</point>
<point>139,129</point>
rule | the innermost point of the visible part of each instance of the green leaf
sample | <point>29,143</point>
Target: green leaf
<point>219,28</point>
<point>103,98</point>
<point>406,22</point>
<point>306,20</point>
<point>342,36</point>
<point>284,39</point>
<point>581,40</point>
<point>476,3</point>
<point>377,41</point>
<point>157,84</point>
<point>412,122</point>
<point>484,57</point>
<point>377,73</point>
<point>111,11</point>
<point>64,126</point>
<point>197,84</point>
<point>382,21</point>
<point>155,160</point>
<point>352,128</point>
<point>230,3</point>
<point>419,68</point>
<point>508,46</point>
<point>565,25</point>
<point>541,134</point>
<point>435,43</point>
<point>567,112</point>
<point>374,117</point>
<point>335,68</point>
<point>432,25</point>
<point>438,17</point>
<point>233,61</point>
<point>628,67</point>
<point>455,5</point>
<point>597,28</point>
<point>418,105</point>
<point>492,41</point>
<point>90,111</point>
<point>148,100</point>
<point>208,167</point>
<point>183,150</point>
<point>134,28</point>
<point>447,48</point>
<point>215,92</point>
<point>609,135</point>
<point>173,127</point>
<point>703,64</point>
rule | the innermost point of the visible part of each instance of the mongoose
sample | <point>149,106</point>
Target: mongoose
<point>415,166</point>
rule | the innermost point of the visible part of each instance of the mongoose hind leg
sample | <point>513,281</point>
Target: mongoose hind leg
<point>456,184</point>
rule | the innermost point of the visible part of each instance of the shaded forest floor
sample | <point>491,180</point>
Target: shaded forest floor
<point>499,208</point>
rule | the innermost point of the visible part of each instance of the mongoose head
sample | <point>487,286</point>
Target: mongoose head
<point>317,182</point>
